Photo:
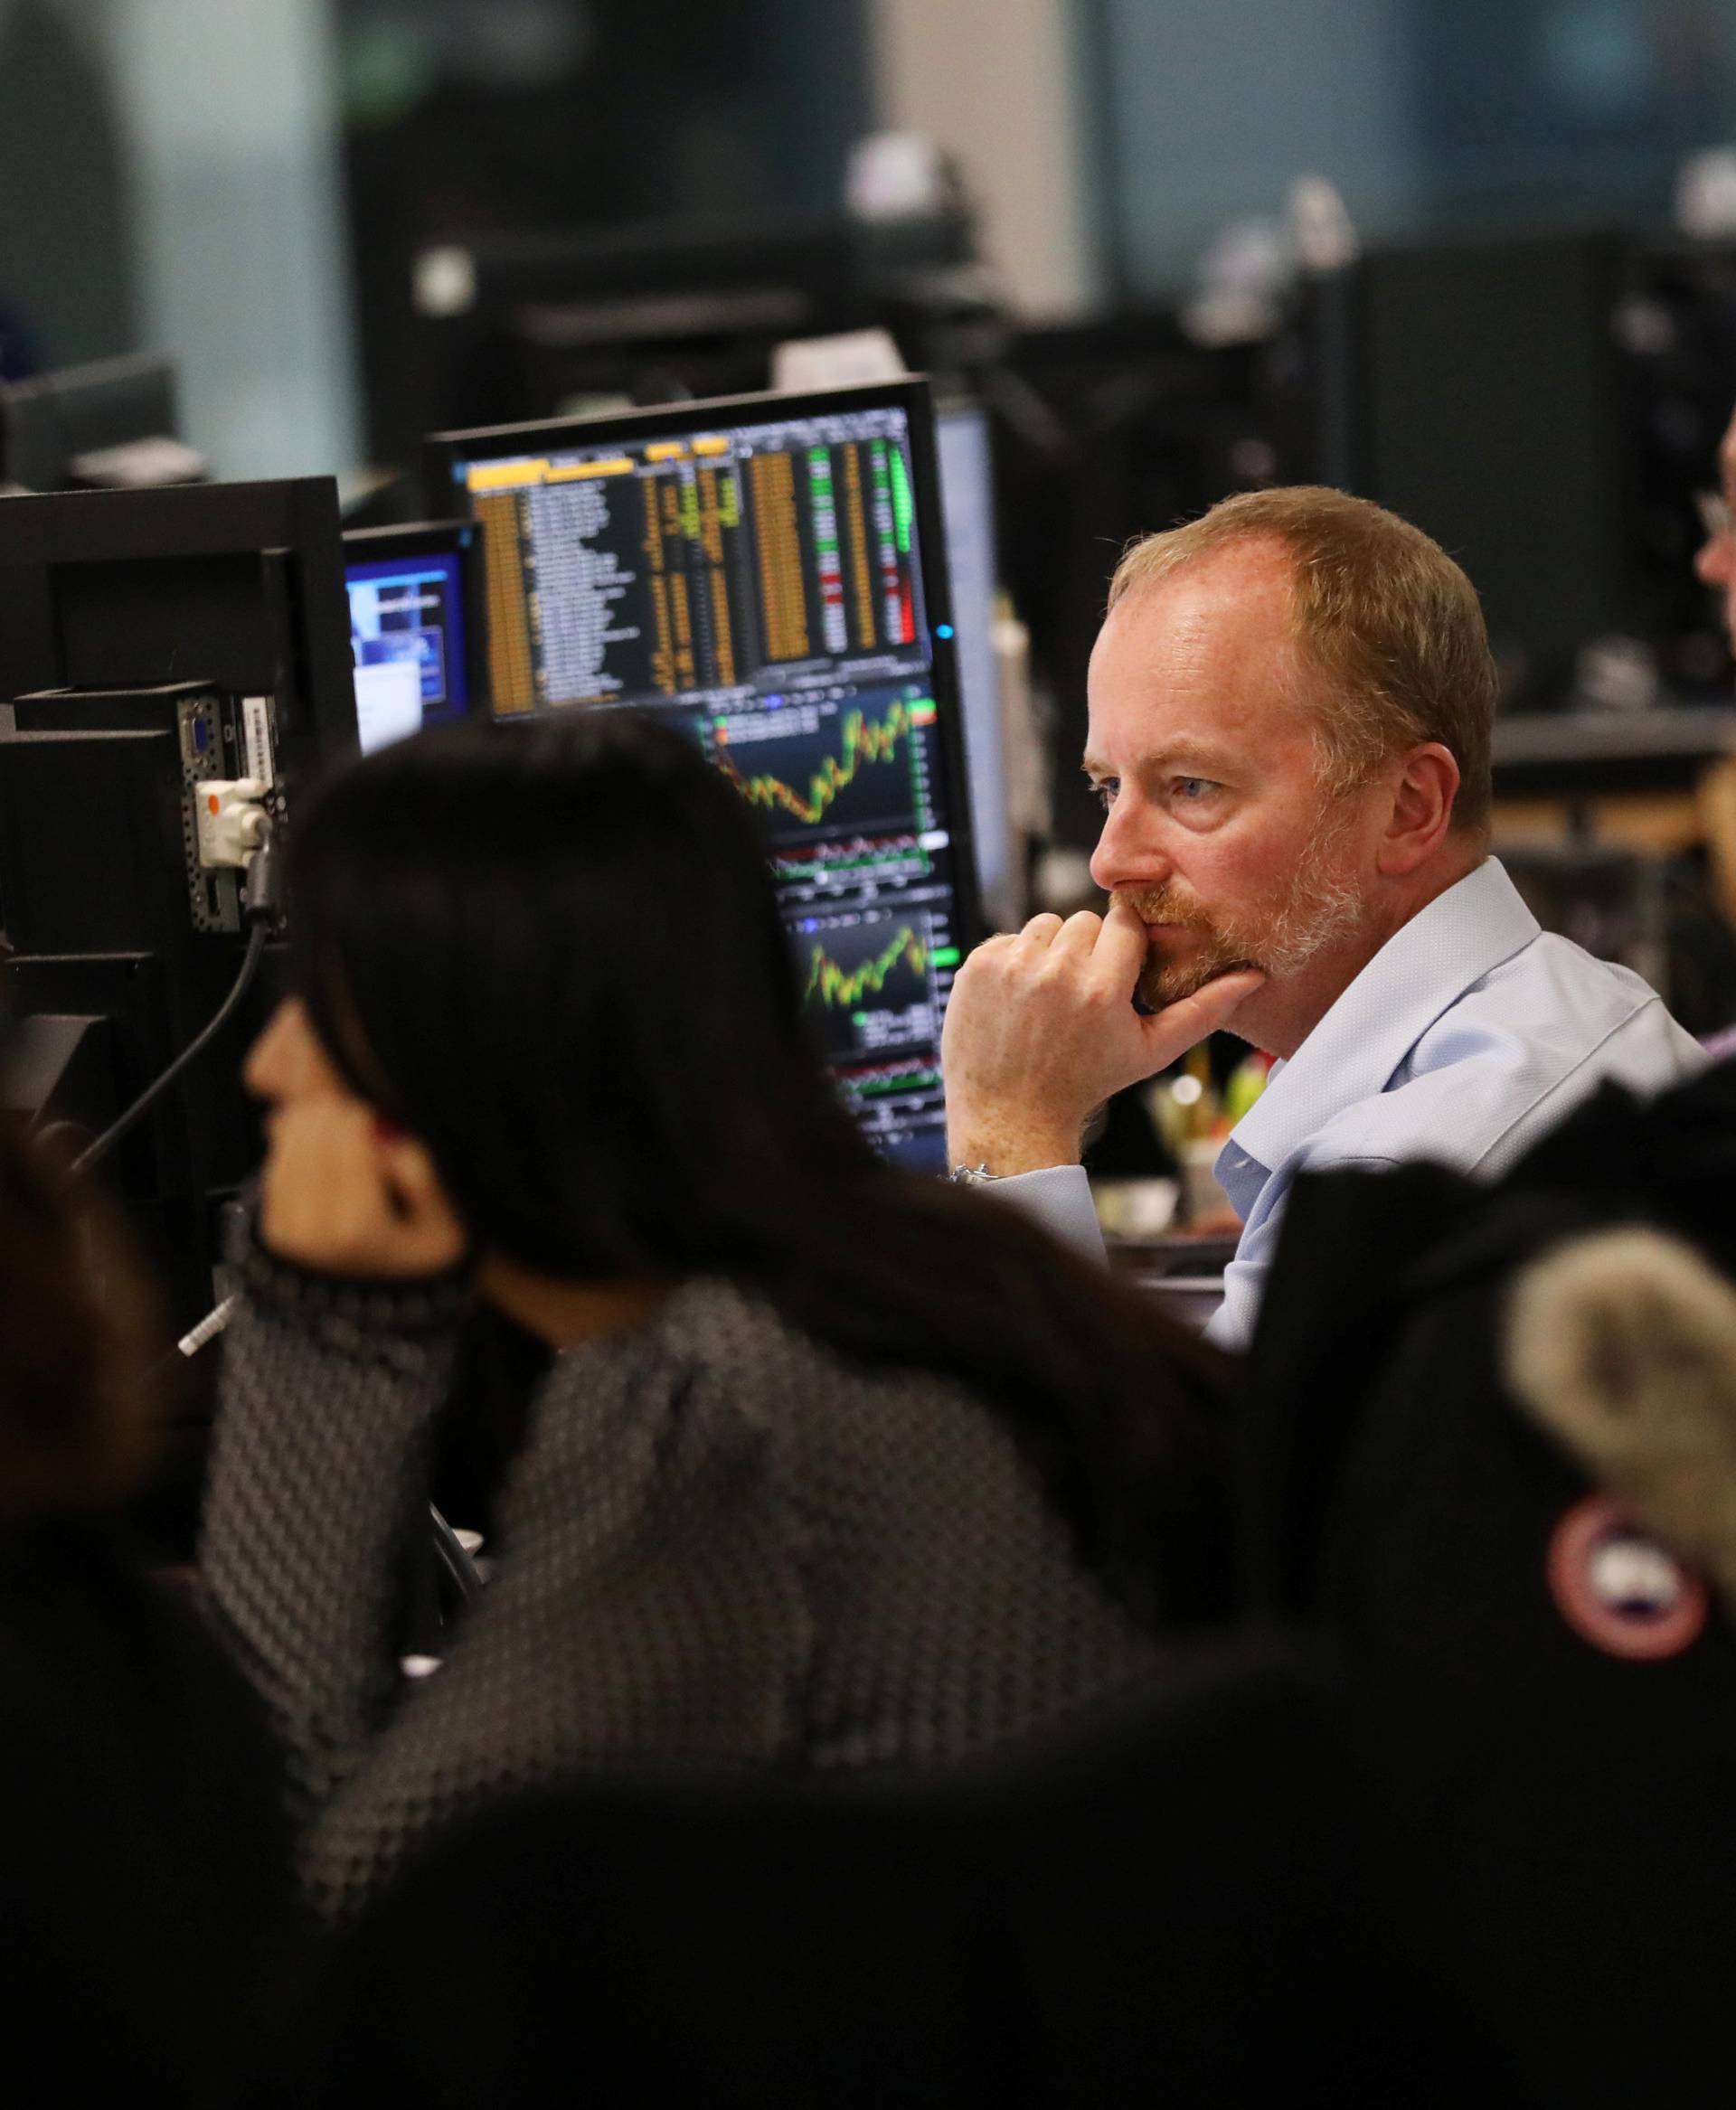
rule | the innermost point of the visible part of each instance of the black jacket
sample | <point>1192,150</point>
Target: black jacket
<point>1569,1812</point>
<point>148,1932</point>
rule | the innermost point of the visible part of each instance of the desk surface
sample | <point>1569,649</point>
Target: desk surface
<point>1570,751</point>
<point>1692,731</point>
<point>1183,1275</point>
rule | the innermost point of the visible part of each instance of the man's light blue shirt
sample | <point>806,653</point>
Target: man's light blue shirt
<point>1468,1034</point>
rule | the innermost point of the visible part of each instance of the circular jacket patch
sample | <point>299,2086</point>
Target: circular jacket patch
<point>1619,1588</point>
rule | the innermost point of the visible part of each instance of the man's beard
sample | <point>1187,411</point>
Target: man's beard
<point>1315,909</point>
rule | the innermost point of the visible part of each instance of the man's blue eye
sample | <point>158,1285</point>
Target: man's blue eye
<point>1193,787</point>
<point>1107,790</point>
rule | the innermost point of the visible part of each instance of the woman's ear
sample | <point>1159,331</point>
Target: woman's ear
<point>418,1199</point>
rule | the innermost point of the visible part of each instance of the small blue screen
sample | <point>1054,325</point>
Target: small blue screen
<point>411,609</point>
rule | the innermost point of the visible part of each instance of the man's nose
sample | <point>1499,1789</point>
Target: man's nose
<point>1129,852</point>
<point>1712,564</point>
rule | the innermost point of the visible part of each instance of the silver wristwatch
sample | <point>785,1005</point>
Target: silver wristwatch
<point>972,1176</point>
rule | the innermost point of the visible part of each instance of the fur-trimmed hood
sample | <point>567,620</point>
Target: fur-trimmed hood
<point>1622,1345</point>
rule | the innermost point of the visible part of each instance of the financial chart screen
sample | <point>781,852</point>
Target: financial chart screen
<point>407,637</point>
<point>761,585</point>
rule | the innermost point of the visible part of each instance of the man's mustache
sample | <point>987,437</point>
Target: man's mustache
<point>1165,904</point>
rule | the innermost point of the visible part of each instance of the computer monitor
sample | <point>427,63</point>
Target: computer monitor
<point>110,425</point>
<point>151,641</point>
<point>536,321</point>
<point>237,585</point>
<point>416,628</point>
<point>1473,384</point>
<point>765,573</point>
<point>967,505</point>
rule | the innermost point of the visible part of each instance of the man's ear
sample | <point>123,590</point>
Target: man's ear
<point>1425,783</point>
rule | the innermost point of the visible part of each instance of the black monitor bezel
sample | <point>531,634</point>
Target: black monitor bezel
<point>443,451</point>
<point>422,537</point>
<point>291,526</point>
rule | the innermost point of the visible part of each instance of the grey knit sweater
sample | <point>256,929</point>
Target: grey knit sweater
<point>718,1544</point>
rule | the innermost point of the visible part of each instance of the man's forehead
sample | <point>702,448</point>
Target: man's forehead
<point>1200,656</point>
<point>1229,612</point>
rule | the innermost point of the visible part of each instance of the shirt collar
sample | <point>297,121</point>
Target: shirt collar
<point>1421,971</point>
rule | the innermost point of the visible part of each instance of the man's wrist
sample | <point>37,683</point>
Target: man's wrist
<point>1003,1150</point>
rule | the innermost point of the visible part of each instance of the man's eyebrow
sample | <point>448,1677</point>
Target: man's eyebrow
<point>1186,757</point>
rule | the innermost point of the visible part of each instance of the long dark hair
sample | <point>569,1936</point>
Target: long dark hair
<point>554,954</point>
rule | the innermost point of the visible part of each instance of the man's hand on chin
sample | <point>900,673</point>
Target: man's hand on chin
<point>1041,1029</point>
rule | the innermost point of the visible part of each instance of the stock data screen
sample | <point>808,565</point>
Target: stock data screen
<point>761,585</point>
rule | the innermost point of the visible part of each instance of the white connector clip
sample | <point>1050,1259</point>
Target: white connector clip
<point>233,824</point>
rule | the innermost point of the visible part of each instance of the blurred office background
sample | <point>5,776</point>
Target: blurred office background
<point>1477,260</point>
<point>242,182</point>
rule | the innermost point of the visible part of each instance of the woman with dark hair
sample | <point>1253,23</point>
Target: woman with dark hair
<point>811,1462</point>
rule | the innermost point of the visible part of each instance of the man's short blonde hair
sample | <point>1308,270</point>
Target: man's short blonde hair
<point>1383,614</point>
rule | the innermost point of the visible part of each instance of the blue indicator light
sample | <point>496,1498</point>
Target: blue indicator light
<point>943,630</point>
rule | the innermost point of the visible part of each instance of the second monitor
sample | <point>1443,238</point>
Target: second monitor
<point>415,627</point>
<point>766,572</point>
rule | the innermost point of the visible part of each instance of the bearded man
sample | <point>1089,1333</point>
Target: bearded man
<point>1291,703</point>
